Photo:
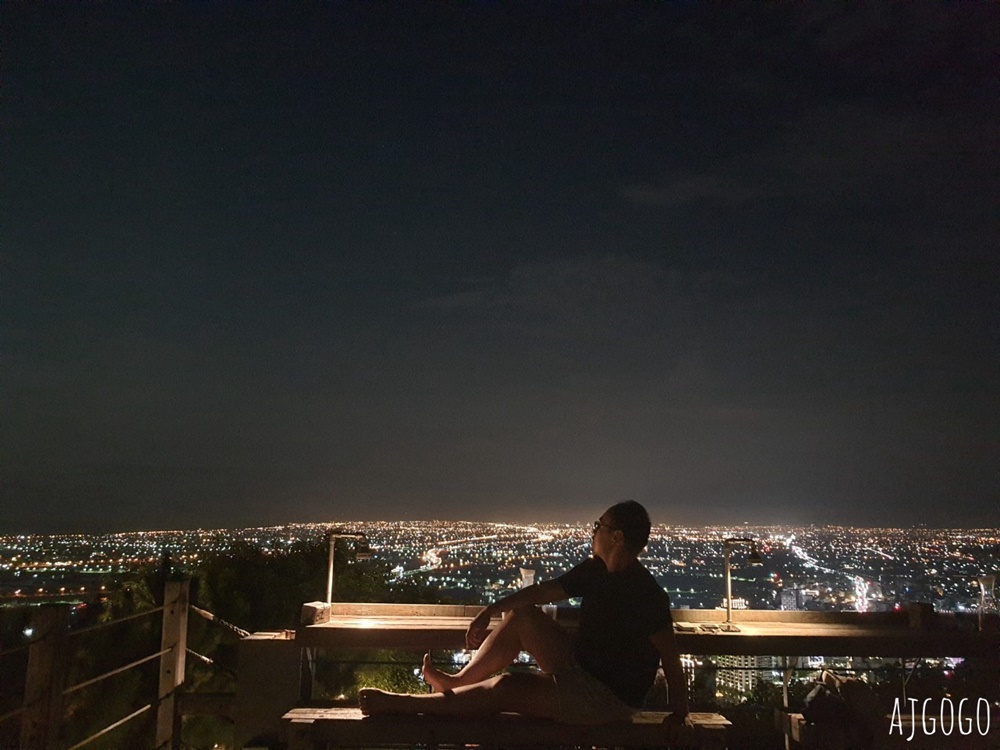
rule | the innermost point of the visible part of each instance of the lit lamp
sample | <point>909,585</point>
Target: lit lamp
<point>361,551</point>
<point>754,559</point>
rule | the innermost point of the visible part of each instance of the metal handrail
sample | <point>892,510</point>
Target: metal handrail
<point>23,646</point>
<point>15,649</point>
<point>92,628</point>
<point>110,727</point>
<point>15,712</point>
<point>30,706</point>
<point>209,662</point>
<point>99,626</point>
<point>113,672</point>
<point>200,657</point>
<point>212,617</point>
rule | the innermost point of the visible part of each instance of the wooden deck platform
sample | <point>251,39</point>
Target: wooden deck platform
<point>318,728</point>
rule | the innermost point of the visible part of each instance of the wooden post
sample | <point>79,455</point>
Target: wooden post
<point>174,637</point>
<point>47,667</point>
<point>786,677</point>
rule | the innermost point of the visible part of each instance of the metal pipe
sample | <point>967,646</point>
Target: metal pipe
<point>113,672</point>
<point>92,628</point>
<point>12,714</point>
<point>729,583</point>
<point>329,571</point>
<point>109,728</point>
<point>334,536</point>
<point>755,559</point>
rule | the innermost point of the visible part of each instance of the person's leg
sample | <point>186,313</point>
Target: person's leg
<point>525,629</point>
<point>523,693</point>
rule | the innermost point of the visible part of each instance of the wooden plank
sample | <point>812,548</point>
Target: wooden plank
<point>380,609</point>
<point>346,727</point>
<point>353,713</point>
<point>416,633</point>
<point>895,619</point>
<point>421,632</point>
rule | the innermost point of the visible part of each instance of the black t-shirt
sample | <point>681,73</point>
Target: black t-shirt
<point>620,612</point>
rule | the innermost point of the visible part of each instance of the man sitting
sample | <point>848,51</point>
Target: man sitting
<point>600,676</point>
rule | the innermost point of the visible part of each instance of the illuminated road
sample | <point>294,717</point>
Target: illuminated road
<point>861,586</point>
<point>433,558</point>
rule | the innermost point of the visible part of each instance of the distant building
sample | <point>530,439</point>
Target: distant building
<point>797,599</point>
<point>740,603</point>
<point>739,673</point>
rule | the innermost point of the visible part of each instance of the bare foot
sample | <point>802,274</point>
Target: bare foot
<point>439,681</point>
<point>372,701</point>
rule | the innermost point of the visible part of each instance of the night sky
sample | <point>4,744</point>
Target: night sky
<point>268,263</point>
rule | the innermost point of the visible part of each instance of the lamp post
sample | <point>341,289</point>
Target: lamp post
<point>362,552</point>
<point>754,559</point>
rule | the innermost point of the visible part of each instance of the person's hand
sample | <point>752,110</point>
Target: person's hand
<point>679,719</point>
<point>478,629</point>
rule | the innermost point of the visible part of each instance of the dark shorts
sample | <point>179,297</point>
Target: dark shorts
<point>583,699</point>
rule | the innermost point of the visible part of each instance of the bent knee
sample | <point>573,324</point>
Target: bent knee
<point>504,683</point>
<point>520,612</point>
<point>514,682</point>
<point>525,693</point>
<point>496,682</point>
<point>524,612</point>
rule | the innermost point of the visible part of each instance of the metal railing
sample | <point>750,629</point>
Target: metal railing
<point>42,707</point>
<point>113,672</point>
<point>274,655</point>
<point>118,621</point>
<point>111,727</point>
<point>211,617</point>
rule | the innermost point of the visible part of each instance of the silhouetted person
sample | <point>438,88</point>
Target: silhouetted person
<point>599,676</point>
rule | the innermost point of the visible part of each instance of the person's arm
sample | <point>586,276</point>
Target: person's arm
<point>538,593</point>
<point>670,657</point>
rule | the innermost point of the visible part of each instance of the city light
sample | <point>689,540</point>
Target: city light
<point>820,568</point>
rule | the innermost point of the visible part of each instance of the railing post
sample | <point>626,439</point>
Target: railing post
<point>174,637</point>
<point>786,678</point>
<point>47,668</point>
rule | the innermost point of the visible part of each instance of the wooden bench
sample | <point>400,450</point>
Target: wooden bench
<point>321,728</point>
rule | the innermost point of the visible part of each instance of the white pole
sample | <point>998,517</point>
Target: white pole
<point>729,584</point>
<point>329,572</point>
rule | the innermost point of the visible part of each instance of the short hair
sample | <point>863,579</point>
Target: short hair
<point>633,521</point>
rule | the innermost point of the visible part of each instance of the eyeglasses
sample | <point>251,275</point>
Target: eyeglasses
<point>598,524</point>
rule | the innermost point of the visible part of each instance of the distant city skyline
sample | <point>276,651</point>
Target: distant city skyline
<point>827,568</point>
<point>275,262</point>
<point>583,521</point>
